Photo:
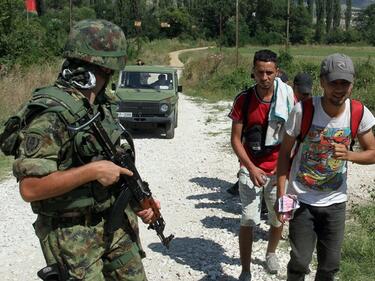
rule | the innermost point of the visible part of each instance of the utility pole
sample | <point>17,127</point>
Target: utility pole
<point>287,26</point>
<point>237,33</point>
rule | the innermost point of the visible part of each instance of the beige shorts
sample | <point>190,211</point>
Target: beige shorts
<point>251,198</point>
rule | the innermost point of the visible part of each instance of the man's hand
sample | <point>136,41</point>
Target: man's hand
<point>258,176</point>
<point>341,152</point>
<point>148,214</point>
<point>279,215</point>
<point>108,173</point>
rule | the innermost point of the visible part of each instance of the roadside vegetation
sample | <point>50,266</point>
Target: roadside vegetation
<point>213,74</point>
<point>358,253</point>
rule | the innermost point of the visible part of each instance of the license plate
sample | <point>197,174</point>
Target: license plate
<point>124,114</point>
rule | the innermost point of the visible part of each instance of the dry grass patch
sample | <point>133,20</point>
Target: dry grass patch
<point>17,86</point>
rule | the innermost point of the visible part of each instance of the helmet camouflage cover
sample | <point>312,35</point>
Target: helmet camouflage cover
<point>99,42</point>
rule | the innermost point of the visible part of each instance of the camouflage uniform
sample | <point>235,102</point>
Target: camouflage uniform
<point>70,227</point>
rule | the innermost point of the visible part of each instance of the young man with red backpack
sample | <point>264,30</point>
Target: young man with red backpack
<point>323,129</point>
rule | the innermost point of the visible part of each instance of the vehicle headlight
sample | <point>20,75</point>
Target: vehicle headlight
<point>164,107</point>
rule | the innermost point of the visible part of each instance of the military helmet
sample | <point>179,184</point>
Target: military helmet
<point>97,41</point>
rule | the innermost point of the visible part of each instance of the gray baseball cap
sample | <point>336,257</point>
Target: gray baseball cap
<point>337,67</point>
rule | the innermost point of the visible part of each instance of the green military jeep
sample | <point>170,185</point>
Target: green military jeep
<point>148,98</point>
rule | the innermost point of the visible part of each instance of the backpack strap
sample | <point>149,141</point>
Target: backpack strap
<point>306,121</point>
<point>356,114</point>
<point>245,109</point>
<point>307,117</point>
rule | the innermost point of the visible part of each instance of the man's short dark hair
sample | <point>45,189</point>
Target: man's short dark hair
<point>266,56</point>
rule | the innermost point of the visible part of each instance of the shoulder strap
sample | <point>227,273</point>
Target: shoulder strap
<point>356,114</point>
<point>307,117</point>
<point>245,108</point>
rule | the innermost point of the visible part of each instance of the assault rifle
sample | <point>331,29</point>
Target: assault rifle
<point>130,187</point>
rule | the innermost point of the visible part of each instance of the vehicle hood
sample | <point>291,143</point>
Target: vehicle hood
<point>144,95</point>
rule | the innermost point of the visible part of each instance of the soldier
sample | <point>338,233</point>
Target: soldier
<point>64,176</point>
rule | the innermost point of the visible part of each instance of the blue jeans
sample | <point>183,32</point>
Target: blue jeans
<point>320,227</point>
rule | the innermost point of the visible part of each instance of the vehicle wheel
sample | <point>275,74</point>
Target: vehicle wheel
<point>169,130</point>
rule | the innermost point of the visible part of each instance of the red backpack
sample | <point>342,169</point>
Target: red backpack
<point>356,114</point>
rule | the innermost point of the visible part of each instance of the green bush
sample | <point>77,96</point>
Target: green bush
<point>215,77</point>
<point>285,60</point>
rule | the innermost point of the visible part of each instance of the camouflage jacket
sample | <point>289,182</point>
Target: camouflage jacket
<point>46,146</point>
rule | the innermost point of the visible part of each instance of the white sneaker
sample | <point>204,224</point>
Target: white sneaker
<point>272,263</point>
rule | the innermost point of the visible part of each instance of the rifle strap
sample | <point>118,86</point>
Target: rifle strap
<point>117,212</point>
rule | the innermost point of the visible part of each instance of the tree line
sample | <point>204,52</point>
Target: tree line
<point>28,38</point>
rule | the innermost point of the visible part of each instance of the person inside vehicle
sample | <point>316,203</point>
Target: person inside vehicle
<point>162,81</point>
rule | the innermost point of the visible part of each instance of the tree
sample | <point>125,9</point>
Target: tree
<point>348,14</point>
<point>329,14</point>
<point>366,24</point>
<point>179,20</point>
<point>336,15</point>
<point>300,25</point>
<point>310,8</point>
<point>319,28</point>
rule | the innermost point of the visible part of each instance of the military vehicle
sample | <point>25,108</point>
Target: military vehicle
<point>148,98</point>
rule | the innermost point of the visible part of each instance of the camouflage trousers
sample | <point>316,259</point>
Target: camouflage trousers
<point>87,254</point>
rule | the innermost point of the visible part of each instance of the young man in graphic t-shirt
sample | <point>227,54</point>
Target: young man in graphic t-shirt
<point>318,175</point>
<point>258,162</point>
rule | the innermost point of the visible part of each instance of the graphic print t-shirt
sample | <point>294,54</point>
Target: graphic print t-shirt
<point>257,115</point>
<point>316,176</point>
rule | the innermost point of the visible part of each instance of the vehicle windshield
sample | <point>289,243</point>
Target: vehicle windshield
<point>146,80</point>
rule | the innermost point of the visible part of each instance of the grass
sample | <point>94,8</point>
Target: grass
<point>18,85</point>
<point>358,252</point>
<point>314,52</point>
<point>212,74</point>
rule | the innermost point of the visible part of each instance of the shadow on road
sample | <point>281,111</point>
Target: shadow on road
<point>199,254</point>
<point>218,199</point>
<point>232,225</point>
<point>211,182</point>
